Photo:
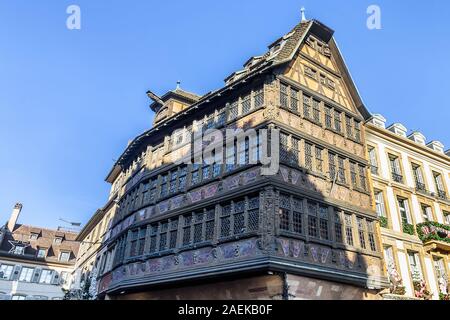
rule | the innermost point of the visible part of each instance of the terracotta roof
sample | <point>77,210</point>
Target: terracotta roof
<point>46,240</point>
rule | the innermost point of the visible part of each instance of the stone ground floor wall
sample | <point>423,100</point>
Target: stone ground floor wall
<point>265,287</point>
<point>303,288</point>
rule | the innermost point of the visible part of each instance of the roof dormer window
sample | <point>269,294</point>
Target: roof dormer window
<point>19,250</point>
<point>58,239</point>
<point>34,236</point>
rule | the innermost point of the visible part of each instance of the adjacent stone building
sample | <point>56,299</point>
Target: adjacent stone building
<point>411,180</point>
<point>225,229</point>
<point>35,263</point>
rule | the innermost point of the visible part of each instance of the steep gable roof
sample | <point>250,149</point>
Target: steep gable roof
<point>289,45</point>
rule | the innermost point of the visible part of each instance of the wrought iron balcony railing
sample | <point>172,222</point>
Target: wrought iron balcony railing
<point>421,187</point>
<point>397,177</point>
<point>442,195</point>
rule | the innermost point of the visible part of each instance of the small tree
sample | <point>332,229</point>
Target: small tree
<point>79,294</point>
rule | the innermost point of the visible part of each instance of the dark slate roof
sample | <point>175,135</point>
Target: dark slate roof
<point>288,46</point>
<point>46,239</point>
<point>189,97</point>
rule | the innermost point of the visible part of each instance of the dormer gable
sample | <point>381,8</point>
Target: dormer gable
<point>378,120</point>
<point>417,137</point>
<point>171,103</point>
<point>436,146</point>
<point>398,129</point>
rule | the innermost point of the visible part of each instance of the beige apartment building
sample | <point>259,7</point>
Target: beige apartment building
<point>411,181</point>
<point>35,263</point>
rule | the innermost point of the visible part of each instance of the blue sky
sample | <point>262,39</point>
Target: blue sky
<point>71,99</point>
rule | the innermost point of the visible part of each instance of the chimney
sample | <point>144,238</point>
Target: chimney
<point>14,216</point>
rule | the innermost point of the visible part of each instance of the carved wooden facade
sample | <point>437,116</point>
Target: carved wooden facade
<point>314,218</point>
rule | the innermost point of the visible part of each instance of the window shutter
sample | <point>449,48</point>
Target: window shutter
<point>429,213</point>
<point>373,158</point>
<point>16,272</point>
<point>439,183</point>
<point>380,201</point>
<point>419,175</point>
<point>397,166</point>
<point>407,212</point>
<point>36,275</point>
<point>55,277</point>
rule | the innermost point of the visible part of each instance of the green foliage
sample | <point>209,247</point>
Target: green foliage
<point>408,228</point>
<point>383,222</point>
<point>79,294</point>
<point>432,235</point>
<point>444,296</point>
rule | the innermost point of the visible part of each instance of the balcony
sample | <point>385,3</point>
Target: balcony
<point>421,187</point>
<point>397,177</point>
<point>434,235</point>
<point>441,194</point>
<point>408,228</point>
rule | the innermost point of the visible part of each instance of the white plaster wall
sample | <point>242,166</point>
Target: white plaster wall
<point>404,271</point>
<point>393,209</point>
<point>429,269</point>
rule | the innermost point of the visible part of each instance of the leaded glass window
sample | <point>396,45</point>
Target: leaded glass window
<point>206,171</point>
<point>323,222</point>
<point>362,177</point>
<point>187,230</point>
<point>357,131</point>
<point>371,231</point>
<point>337,121</point>
<point>153,237</point>
<point>348,229</point>
<point>337,227</point>
<point>312,219</point>
<point>295,150</point>
<point>294,100</point>
<point>341,170</point>
<point>349,126</point>
<point>209,225</point>
<point>173,234</point>
<point>307,106</point>
<point>353,175</point>
<point>195,174</point>
<point>239,219</point>
<point>319,159</point>
<point>316,111</point>
<point>284,99</point>
<point>246,104</point>
<point>164,186</point>
<point>233,111</point>
<point>182,178</point>
<point>284,149</point>
<point>332,165</point>
<point>198,227</point>
<point>259,97</point>
<point>173,182</point>
<point>253,213</point>
<point>328,117</point>
<point>361,232</point>
<point>221,118</point>
<point>225,221</point>
<point>308,156</point>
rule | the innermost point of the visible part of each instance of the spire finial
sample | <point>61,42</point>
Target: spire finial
<point>302,10</point>
<point>178,84</point>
